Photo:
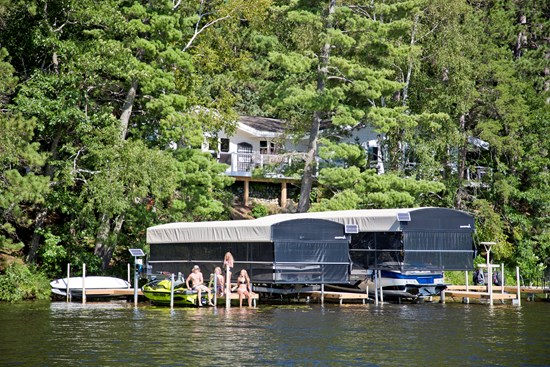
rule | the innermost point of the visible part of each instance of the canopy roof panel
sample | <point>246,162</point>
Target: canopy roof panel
<point>260,230</point>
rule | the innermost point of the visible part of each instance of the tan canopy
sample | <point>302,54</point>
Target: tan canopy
<point>259,230</point>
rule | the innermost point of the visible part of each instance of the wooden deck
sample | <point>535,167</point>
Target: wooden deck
<point>499,292</point>
<point>113,292</point>
<point>339,296</point>
<point>481,295</point>
<point>498,288</point>
<point>234,297</point>
<point>130,293</point>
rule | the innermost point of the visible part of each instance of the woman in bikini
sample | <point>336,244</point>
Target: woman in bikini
<point>228,263</point>
<point>244,289</point>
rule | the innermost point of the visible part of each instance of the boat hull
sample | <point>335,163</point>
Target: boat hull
<point>75,285</point>
<point>411,284</point>
<point>158,292</point>
<point>163,298</point>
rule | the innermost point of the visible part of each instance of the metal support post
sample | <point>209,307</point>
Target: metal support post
<point>83,283</point>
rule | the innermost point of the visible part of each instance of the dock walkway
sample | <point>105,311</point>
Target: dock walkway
<point>113,292</point>
<point>130,292</point>
<point>339,296</point>
<point>499,292</point>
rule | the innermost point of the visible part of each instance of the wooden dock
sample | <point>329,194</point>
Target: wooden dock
<point>129,292</point>
<point>498,288</point>
<point>499,292</point>
<point>481,295</point>
<point>113,292</point>
<point>234,297</point>
<point>337,296</point>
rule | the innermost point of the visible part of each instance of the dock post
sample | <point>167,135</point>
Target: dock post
<point>442,296</point>
<point>322,293</point>
<point>83,283</point>
<point>466,299</point>
<point>489,279</point>
<point>375,287</point>
<point>380,285</point>
<point>68,282</point>
<point>227,288</point>
<point>172,291</point>
<point>487,246</point>
<point>502,280</point>
<point>215,288</point>
<point>129,279</point>
<point>518,286</point>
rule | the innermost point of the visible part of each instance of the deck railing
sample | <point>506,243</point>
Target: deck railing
<point>243,164</point>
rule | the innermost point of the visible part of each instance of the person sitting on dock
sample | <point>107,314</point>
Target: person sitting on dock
<point>497,279</point>
<point>220,281</point>
<point>197,281</point>
<point>244,289</point>
<point>479,278</point>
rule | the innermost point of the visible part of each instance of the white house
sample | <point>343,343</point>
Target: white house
<point>257,141</point>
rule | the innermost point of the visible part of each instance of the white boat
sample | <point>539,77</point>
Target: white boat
<point>75,285</point>
<point>407,284</point>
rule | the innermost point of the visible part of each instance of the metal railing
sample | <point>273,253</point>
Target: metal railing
<point>245,163</point>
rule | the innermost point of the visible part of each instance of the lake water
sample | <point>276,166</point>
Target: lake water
<point>119,334</point>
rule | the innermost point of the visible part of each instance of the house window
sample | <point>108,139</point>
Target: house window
<point>267,147</point>
<point>244,148</point>
<point>224,145</point>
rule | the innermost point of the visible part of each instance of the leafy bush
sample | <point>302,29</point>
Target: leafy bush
<point>259,211</point>
<point>21,282</point>
<point>52,254</point>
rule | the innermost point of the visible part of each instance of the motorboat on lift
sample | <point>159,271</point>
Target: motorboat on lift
<point>74,285</point>
<point>399,284</point>
<point>413,284</point>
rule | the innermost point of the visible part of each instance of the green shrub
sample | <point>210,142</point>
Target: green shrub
<point>259,211</point>
<point>21,282</point>
<point>457,277</point>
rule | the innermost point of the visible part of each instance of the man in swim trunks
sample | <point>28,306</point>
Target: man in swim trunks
<point>197,281</point>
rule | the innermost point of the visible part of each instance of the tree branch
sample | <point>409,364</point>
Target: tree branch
<point>199,31</point>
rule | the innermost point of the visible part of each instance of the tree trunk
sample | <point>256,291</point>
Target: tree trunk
<point>102,248</point>
<point>127,109</point>
<point>105,246</point>
<point>309,169</point>
<point>35,242</point>
<point>322,73</point>
<point>410,66</point>
<point>461,164</point>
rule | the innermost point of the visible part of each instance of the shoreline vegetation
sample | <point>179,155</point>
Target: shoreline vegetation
<point>107,110</point>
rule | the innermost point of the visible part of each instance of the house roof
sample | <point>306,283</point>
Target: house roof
<point>260,230</point>
<point>262,126</point>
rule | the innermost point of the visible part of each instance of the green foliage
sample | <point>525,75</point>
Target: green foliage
<point>200,185</point>
<point>22,188</point>
<point>352,189</point>
<point>21,282</point>
<point>490,228</point>
<point>53,256</point>
<point>259,210</point>
<point>347,155</point>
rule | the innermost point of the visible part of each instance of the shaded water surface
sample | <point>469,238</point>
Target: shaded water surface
<point>118,334</point>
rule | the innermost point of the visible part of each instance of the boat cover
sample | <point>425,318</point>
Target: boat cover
<point>259,230</point>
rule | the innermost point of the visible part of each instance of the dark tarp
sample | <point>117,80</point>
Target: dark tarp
<point>433,239</point>
<point>310,251</point>
<point>302,251</point>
